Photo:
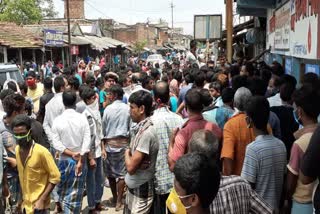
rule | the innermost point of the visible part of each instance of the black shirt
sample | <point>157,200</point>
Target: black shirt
<point>44,99</point>
<point>288,125</point>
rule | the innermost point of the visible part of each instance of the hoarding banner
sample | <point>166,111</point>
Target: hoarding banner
<point>305,32</point>
<point>207,27</point>
<point>282,28</point>
<point>53,37</point>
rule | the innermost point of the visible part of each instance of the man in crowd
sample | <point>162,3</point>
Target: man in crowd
<point>35,90</point>
<point>265,158</point>
<point>179,144</point>
<point>310,170</point>
<point>54,108</point>
<point>110,80</point>
<point>45,98</point>
<point>238,192</point>
<point>116,125</point>
<point>95,176</point>
<point>141,157</point>
<point>164,122</point>
<point>38,173</point>
<point>71,138</point>
<point>14,105</point>
<point>307,109</point>
<point>191,57</point>
<point>220,115</point>
<point>196,183</point>
<point>236,136</point>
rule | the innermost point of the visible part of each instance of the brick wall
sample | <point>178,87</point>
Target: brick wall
<point>126,35</point>
<point>76,9</point>
<point>140,32</point>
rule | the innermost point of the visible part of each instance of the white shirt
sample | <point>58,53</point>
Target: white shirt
<point>275,100</point>
<point>54,108</point>
<point>71,131</point>
<point>191,58</point>
<point>95,128</point>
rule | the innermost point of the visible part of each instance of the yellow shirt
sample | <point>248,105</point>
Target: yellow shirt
<point>38,171</point>
<point>35,96</point>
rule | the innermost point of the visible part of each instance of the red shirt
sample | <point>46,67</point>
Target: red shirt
<point>185,133</point>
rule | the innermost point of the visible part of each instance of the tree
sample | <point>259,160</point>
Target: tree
<point>47,8</point>
<point>138,46</point>
<point>20,11</point>
<point>26,11</point>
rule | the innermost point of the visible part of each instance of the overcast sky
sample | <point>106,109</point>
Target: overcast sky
<point>132,11</point>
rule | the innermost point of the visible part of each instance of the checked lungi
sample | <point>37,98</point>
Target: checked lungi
<point>71,187</point>
<point>139,200</point>
<point>115,166</point>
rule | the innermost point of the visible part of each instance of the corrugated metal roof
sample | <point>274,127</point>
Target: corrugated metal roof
<point>76,40</point>
<point>98,43</point>
<point>14,36</point>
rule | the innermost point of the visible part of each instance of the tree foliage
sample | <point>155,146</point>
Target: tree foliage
<point>47,8</point>
<point>138,46</point>
<point>26,11</point>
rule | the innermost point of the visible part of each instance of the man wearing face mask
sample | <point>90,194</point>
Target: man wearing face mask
<point>196,183</point>
<point>116,125</point>
<point>95,174</point>
<point>307,109</point>
<point>38,179</point>
<point>35,90</point>
<point>15,105</point>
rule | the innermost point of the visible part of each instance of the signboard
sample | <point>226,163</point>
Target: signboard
<point>281,26</point>
<point>74,49</point>
<point>207,27</point>
<point>313,69</point>
<point>53,37</point>
<point>288,66</point>
<point>305,32</point>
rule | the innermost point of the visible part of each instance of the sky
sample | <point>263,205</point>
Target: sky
<point>133,11</point>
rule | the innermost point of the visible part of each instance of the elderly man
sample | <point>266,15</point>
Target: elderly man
<point>241,197</point>
<point>236,135</point>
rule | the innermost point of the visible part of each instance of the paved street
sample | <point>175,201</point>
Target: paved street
<point>106,195</point>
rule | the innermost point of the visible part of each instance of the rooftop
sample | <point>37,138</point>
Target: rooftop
<point>11,36</point>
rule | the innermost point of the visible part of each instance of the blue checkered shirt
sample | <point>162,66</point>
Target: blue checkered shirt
<point>164,122</point>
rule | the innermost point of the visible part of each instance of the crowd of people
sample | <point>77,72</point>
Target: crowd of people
<point>172,138</point>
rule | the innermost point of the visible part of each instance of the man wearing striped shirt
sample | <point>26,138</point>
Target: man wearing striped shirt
<point>265,160</point>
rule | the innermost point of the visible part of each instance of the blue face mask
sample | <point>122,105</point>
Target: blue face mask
<point>296,117</point>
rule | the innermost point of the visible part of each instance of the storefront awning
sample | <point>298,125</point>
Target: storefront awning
<point>258,12</point>
<point>263,4</point>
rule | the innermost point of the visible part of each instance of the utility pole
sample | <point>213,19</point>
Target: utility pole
<point>69,35</point>
<point>148,36</point>
<point>172,6</point>
<point>229,22</point>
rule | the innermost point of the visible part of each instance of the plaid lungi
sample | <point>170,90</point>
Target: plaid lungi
<point>71,187</point>
<point>115,166</point>
<point>139,200</point>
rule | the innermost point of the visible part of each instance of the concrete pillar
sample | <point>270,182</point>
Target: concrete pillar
<point>34,55</point>
<point>229,23</point>
<point>20,55</point>
<point>5,55</point>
